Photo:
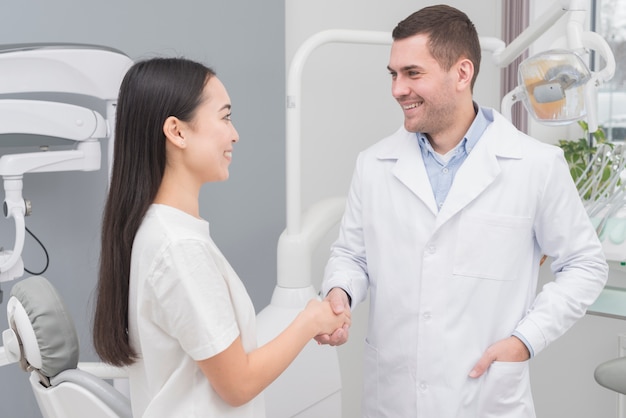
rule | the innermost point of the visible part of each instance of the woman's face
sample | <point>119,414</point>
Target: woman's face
<point>210,135</point>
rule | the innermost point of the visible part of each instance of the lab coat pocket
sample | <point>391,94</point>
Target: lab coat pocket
<point>505,391</point>
<point>492,246</point>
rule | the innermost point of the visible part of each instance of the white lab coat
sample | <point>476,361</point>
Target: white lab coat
<point>444,285</point>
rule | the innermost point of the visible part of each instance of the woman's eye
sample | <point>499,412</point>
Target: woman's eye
<point>228,117</point>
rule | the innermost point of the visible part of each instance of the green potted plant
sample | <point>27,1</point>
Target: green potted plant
<point>585,162</point>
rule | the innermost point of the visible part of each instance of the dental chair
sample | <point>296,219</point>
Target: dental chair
<point>42,338</point>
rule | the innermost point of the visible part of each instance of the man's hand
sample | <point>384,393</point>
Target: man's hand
<point>510,349</point>
<point>339,302</point>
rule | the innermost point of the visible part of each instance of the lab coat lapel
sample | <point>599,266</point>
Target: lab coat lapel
<point>481,167</point>
<point>410,169</point>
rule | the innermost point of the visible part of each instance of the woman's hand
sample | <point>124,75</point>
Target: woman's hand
<point>339,302</point>
<point>324,318</point>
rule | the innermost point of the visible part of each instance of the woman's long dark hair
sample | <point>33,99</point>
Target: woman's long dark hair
<point>152,90</point>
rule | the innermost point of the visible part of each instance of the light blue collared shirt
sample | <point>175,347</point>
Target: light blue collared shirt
<point>441,173</point>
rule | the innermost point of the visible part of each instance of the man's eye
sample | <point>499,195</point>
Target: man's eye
<point>228,117</point>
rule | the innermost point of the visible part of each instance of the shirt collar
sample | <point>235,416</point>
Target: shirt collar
<point>481,121</point>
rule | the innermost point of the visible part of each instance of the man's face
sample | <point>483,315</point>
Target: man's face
<point>423,89</point>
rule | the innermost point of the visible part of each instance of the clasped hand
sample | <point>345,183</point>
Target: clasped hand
<point>339,302</point>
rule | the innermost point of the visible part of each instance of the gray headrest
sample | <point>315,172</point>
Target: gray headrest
<point>54,329</point>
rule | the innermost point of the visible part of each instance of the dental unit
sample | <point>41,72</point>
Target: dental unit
<point>41,336</point>
<point>28,70</point>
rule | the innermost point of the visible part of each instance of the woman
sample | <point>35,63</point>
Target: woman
<point>169,305</point>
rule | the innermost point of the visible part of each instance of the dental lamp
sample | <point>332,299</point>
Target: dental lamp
<point>320,395</point>
<point>556,86</point>
<point>44,69</point>
<point>553,86</point>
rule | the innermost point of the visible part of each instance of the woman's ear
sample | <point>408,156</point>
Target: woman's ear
<point>172,128</point>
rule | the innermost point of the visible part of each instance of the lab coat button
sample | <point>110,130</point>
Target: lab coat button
<point>431,249</point>
<point>427,316</point>
<point>423,386</point>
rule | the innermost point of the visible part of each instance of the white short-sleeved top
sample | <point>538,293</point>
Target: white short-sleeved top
<point>186,304</point>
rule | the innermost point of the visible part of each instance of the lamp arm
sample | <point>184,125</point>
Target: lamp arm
<point>597,43</point>
<point>577,10</point>
<point>14,207</point>
<point>507,55</point>
<point>19,243</point>
<point>86,157</point>
<point>294,81</point>
<point>12,167</point>
<point>506,105</point>
<point>62,120</point>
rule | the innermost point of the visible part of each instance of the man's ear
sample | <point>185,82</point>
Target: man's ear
<point>465,72</point>
<point>173,130</point>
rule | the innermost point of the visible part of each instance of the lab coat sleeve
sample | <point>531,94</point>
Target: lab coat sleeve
<point>565,233</point>
<point>347,265</point>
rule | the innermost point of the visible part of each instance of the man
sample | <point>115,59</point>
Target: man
<point>446,223</point>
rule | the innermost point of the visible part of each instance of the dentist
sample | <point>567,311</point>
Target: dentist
<point>445,225</point>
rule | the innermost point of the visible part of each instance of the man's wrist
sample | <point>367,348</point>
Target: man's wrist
<point>525,343</point>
